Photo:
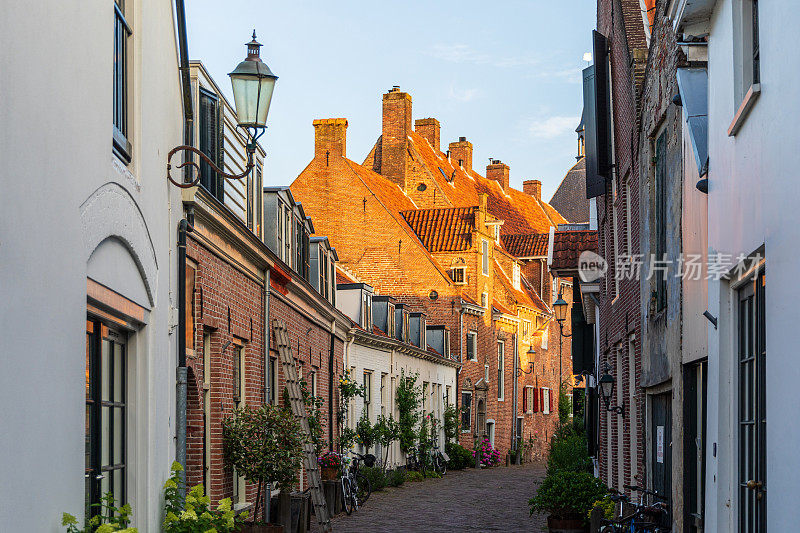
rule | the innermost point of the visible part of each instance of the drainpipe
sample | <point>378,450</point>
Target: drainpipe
<point>267,397</point>
<point>516,384</point>
<point>184,226</point>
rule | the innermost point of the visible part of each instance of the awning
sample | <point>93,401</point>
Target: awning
<point>693,87</point>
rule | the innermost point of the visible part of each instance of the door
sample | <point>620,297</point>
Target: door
<point>661,444</point>
<point>752,408</point>
<point>106,415</point>
<point>694,444</point>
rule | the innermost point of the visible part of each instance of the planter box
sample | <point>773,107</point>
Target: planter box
<point>565,525</point>
<point>269,528</point>
<point>329,473</point>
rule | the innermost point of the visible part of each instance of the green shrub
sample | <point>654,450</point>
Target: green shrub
<point>431,474</point>
<point>460,457</point>
<point>395,478</point>
<point>607,505</point>
<point>413,475</point>
<point>110,518</point>
<point>376,477</point>
<point>195,514</point>
<point>565,494</point>
<point>569,452</point>
<point>408,397</point>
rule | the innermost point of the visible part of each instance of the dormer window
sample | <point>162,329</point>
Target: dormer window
<point>497,233</point>
<point>366,311</point>
<point>459,275</point>
<point>516,277</point>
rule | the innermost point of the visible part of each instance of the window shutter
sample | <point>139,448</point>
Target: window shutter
<point>220,152</point>
<point>549,401</point>
<point>535,400</point>
<point>595,183</point>
<point>602,85</point>
<point>525,397</point>
<point>541,399</point>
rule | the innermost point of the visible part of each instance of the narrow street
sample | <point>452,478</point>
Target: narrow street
<point>495,499</point>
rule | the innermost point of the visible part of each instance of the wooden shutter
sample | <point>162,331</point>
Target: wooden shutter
<point>209,142</point>
<point>535,399</point>
<point>525,397</point>
<point>219,153</point>
<point>602,91</point>
<point>549,401</point>
<point>595,183</point>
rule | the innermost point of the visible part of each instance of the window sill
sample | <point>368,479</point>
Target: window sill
<point>744,109</point>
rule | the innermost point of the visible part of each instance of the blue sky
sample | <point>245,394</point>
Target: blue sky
<point>504,74</point>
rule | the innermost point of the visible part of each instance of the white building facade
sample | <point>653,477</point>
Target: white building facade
<point>88,260</point>
<point>753,105</point>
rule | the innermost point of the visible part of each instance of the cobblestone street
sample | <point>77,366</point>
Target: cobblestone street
<point>488,500</point>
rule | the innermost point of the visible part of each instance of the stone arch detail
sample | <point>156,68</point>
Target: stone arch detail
<point>110,211</point>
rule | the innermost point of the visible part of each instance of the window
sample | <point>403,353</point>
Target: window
<point>516,277</point>
<point>466,411</point>
<point>211,143</point>
<point>121,145</point>
<point>447,395</point>
<point>614,234</point>
<point>546,401</point>
<point>486,373</point>
<point>497,233</point>
<point>660,247</point>
<point>544,339</point>
<point>501,346</point>
<point>628,216</point>
<point>528,400</point>
<point>446,334</point>
<point>747,72</point>
<point>485,300</point>
<point>425,402</point>
<point>472,346</point>
<point>313,379</point>
<point>458,275</point>
<point>485,257</point>
<point>526,328</point>
<point>238,376</point>
<point>384,394</point>
<point>366,311</point>
<point>367,388</point>
<point>390,319</point>
<point>106,414</point>
<point>189,307</point>
<point>273,378</point>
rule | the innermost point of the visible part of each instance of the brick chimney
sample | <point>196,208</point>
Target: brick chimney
<point>330,137</point>
<point>394,138</point>
<point>532,188</point>
<point>461,153</point>
<point>498,171</point>
<point>428,128</point>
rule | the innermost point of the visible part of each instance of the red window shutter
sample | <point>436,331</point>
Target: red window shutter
<point>550,398</point>
<point>524,399</point>
<point>541,398</point>
<point>535,399</point>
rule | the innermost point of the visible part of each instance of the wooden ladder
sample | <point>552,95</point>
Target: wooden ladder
<point>299,410</point>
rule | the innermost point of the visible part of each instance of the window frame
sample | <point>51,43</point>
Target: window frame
<point>458,274</point>
<point>501,371</point>
<point>485,257</point>
<point>660,210</point>
<point>472,342</point>
<point>466,412</point>
<point>120,124</point>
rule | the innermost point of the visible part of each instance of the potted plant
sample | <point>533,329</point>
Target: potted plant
<point>264,444</point>
<point>567,497</point>
<point>194,514</point>
<point>330,464</point>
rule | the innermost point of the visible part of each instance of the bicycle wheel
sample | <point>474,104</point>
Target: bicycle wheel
<point>347,496</point>
<point>442,466</point>
<point>363,488</point>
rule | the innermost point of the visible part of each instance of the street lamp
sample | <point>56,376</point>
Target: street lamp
<point>253,83</point>
<point>606,384</point>
<point>560,310</point>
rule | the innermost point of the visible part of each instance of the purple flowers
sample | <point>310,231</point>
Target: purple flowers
<point>489,456</point>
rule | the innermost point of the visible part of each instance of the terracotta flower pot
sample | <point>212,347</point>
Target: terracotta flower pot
<point>565,525</point>
<point>329,473</point>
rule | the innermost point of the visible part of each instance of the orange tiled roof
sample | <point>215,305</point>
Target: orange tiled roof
<point>443,230</point>
<point>568,245</point>
<point>524,295</point>
<point>343,277</point>
<point>529,245</point>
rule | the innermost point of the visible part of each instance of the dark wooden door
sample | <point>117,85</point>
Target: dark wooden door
<point>661,444</point>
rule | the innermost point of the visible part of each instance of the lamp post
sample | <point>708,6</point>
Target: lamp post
<point>560,310</point>
<point>253,83</point>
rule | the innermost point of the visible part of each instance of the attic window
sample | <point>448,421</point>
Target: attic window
<point>485,300</point>
<point>516,277</point>
<point>421,187</point>
<point>458,275</point>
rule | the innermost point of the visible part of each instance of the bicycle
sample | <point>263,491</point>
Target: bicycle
<point>644,519</point>
<point>356,487</point>
<point>412,463</point>
<point>438,458</point>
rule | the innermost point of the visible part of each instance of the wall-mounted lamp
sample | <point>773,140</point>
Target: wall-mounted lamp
<point>711,318</point>
<point>253,83</point>
<point>606,384</point>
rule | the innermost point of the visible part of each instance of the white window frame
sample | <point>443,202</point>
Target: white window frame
<point>467,429</point>
<point>472,338</point>
<point>501,370</point>
<point>516,276</point>
<point>486,373</point>
<point>485,257</point>
<point>545,400</point>
<point>459,275</point>
<point>485,300</point>
<point>529,399</point>
<point>747,83</point>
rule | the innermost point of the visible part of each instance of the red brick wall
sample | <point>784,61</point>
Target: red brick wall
<point>619,315</point>
<point>396,127</point>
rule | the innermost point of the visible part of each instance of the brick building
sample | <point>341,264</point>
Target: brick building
<point>421,225</point>
<point>238,282</point>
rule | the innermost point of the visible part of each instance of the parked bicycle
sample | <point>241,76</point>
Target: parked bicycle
<point>438,458</point>
<point>645,518</point>
<point>356,487</point>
